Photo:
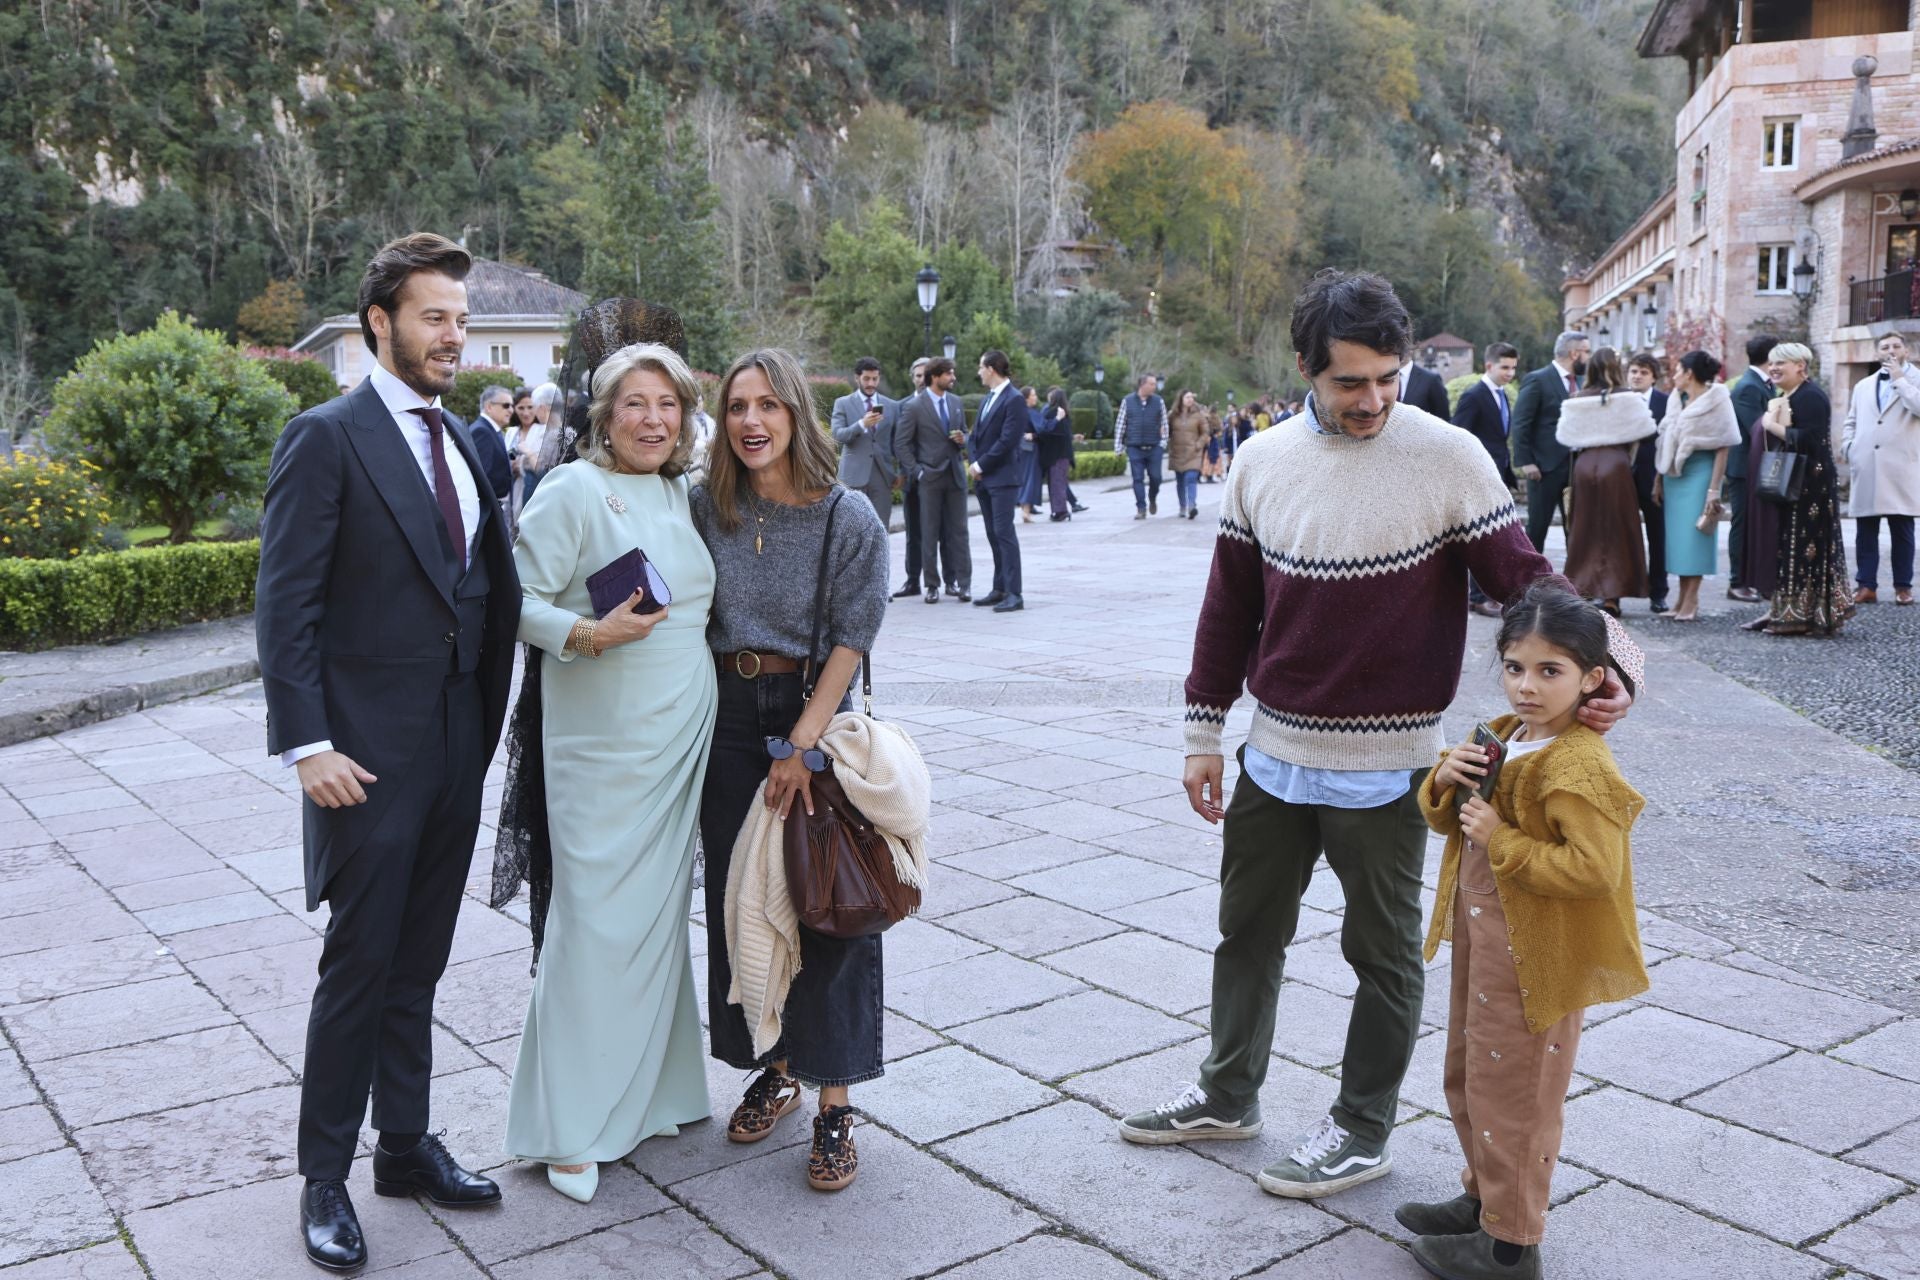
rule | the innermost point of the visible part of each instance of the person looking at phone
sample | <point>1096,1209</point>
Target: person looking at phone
<point>629,698</point>
<point>1536,893</point>
<point>1341,615</point>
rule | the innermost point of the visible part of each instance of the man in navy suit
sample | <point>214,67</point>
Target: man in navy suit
<point>385,612</point>
<point>1538,456</point>
<point>1483,411</point>
<point>994,445</point>
<point>1643,375</point>
<point>1423,389</point>
<point>496,409</point>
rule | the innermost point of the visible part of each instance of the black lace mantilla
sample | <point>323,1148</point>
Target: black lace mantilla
<point>523,843</point>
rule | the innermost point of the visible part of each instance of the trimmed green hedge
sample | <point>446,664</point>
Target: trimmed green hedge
<point>1097,464</point>
<point>122,593</point>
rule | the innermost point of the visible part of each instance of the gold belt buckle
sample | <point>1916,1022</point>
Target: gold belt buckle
<point>740,664</point>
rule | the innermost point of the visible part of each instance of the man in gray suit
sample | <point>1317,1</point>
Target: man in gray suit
<point>1538,455</point>
<point>863,423</point>
<point>928,446</point>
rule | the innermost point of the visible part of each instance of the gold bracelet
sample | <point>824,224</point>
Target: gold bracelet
<point>580,638</point>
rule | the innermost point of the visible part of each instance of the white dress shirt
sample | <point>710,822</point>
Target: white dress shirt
<point>400,400</point>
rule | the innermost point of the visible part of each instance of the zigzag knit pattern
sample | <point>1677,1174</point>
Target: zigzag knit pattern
<point>1338,592</point>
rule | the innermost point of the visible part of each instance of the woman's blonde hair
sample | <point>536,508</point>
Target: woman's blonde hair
<point>812,463</point>
<point>594,445</point>
<point>1792,353</point>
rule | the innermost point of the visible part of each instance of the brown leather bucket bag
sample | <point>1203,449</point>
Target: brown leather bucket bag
<point>840,871</point>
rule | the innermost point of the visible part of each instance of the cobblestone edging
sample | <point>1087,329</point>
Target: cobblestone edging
<point>60,689</point>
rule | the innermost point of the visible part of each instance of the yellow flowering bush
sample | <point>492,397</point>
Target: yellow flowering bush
<point>50,508</point>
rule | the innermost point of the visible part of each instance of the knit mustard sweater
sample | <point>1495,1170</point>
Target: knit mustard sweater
<point>1564,871</point>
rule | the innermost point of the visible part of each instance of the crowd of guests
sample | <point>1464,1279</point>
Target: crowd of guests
<point>1644,460</point>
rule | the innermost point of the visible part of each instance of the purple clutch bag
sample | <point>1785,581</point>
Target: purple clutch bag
<point>609,587</point>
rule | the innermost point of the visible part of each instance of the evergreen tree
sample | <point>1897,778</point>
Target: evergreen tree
<point>651,233</point>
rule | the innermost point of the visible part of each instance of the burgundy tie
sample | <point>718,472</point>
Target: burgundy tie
<point>443,491</point>
<point>1571,388</point>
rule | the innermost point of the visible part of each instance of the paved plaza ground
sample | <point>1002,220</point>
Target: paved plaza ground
<point>1756,1116</point>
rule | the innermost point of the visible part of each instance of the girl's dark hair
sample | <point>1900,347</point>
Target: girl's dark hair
<point>1559,617</point>
<point>1056,398</point>
<point>1701,365</point>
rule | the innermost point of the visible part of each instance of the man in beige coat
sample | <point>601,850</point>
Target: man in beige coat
<point>1881,445</point>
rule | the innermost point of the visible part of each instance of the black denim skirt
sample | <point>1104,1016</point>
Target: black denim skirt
<point>830,1028</point>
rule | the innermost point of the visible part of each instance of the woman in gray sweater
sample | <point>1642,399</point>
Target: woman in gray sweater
<point>764,513</point>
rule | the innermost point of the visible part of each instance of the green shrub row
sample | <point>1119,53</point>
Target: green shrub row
<point>123,593</point>
<point>1097,464</point>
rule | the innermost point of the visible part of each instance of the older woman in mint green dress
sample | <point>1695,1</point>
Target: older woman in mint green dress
<point>611,1054</point>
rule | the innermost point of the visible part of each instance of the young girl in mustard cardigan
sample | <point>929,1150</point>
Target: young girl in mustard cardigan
<point>1536,893</point>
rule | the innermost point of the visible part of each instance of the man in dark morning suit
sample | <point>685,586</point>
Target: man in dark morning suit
<point>927,444</point>
<point>1643,375</point>
<point>496,410</point>
<point>1485,413</point>
<point>862,421</point>
<point>909,494</point>
<point>385,613</point>
<point>1750,395</point>
<point>995,444</point>
<point>1538,456</point>
<point>1424,389</point>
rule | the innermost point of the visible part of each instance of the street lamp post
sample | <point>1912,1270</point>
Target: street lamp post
<point>1803,274</point>
<point>1099,396</point>
<point>948,346</point>
<point>1650,324</point>
<point>928,282</point>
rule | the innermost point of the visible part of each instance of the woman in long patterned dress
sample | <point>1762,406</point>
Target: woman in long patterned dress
<point>1813,596</point>
<point>610,1054</point>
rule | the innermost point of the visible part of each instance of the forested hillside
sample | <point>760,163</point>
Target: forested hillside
<point>237,159</point>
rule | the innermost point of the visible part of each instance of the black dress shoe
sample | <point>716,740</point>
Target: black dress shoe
<point>957,592</point>
<point>911,589</point>
<point>992,597</point>
<point>1078,507</point>
<point>430,1170</point>
<point>1746,595</point>
<point>1657,606</point>
<point>933,595</point>
<point>330,1227</point>
<point>1064,515</point>
<point>1012,604</point>
<point>962,596</point>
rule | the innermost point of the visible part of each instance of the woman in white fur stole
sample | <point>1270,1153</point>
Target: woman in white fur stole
<point>1698,429</point>
<point>1606,555</point>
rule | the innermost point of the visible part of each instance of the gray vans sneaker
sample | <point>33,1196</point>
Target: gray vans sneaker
<point>1328,1159</point>
<point>1189,1118</point>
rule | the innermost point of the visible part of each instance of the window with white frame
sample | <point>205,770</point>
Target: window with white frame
<point>501,354</point>
<point>1776,268</point>
<point>1780,143</point>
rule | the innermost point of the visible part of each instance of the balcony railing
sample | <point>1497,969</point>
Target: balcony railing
<point>1891,297</point>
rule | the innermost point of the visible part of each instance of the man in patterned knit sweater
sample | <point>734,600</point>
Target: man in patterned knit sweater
<point>1346,537</point>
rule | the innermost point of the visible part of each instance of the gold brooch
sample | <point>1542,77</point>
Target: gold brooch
<point>619,507</point>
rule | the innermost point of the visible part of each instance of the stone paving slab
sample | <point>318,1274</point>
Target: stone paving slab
<point>1749,1179</point>
<point>155,955</point>
<point>1165,1209</point>
<point>55,690</point>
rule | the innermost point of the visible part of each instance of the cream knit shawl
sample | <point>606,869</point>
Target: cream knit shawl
<point>1707,422</point>
<point>1619,417</point>
<point>882,773</point>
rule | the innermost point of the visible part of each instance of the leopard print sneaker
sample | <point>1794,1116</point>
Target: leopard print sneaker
<point>772,1095</point>
<point>833,1163</point>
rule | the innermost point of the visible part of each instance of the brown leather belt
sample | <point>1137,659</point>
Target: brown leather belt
<point>749,665</point>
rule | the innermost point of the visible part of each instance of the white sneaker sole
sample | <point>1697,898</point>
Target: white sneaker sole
<point>1332,1186</point>
<point>1174,1137</point>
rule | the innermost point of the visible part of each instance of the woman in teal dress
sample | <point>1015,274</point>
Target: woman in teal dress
<point>611,1052</point>
<point>1691,457</point>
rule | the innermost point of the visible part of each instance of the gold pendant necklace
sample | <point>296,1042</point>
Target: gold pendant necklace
<point>760,521</point>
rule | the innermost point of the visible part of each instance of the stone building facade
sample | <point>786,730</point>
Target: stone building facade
<point>1787,215</point>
